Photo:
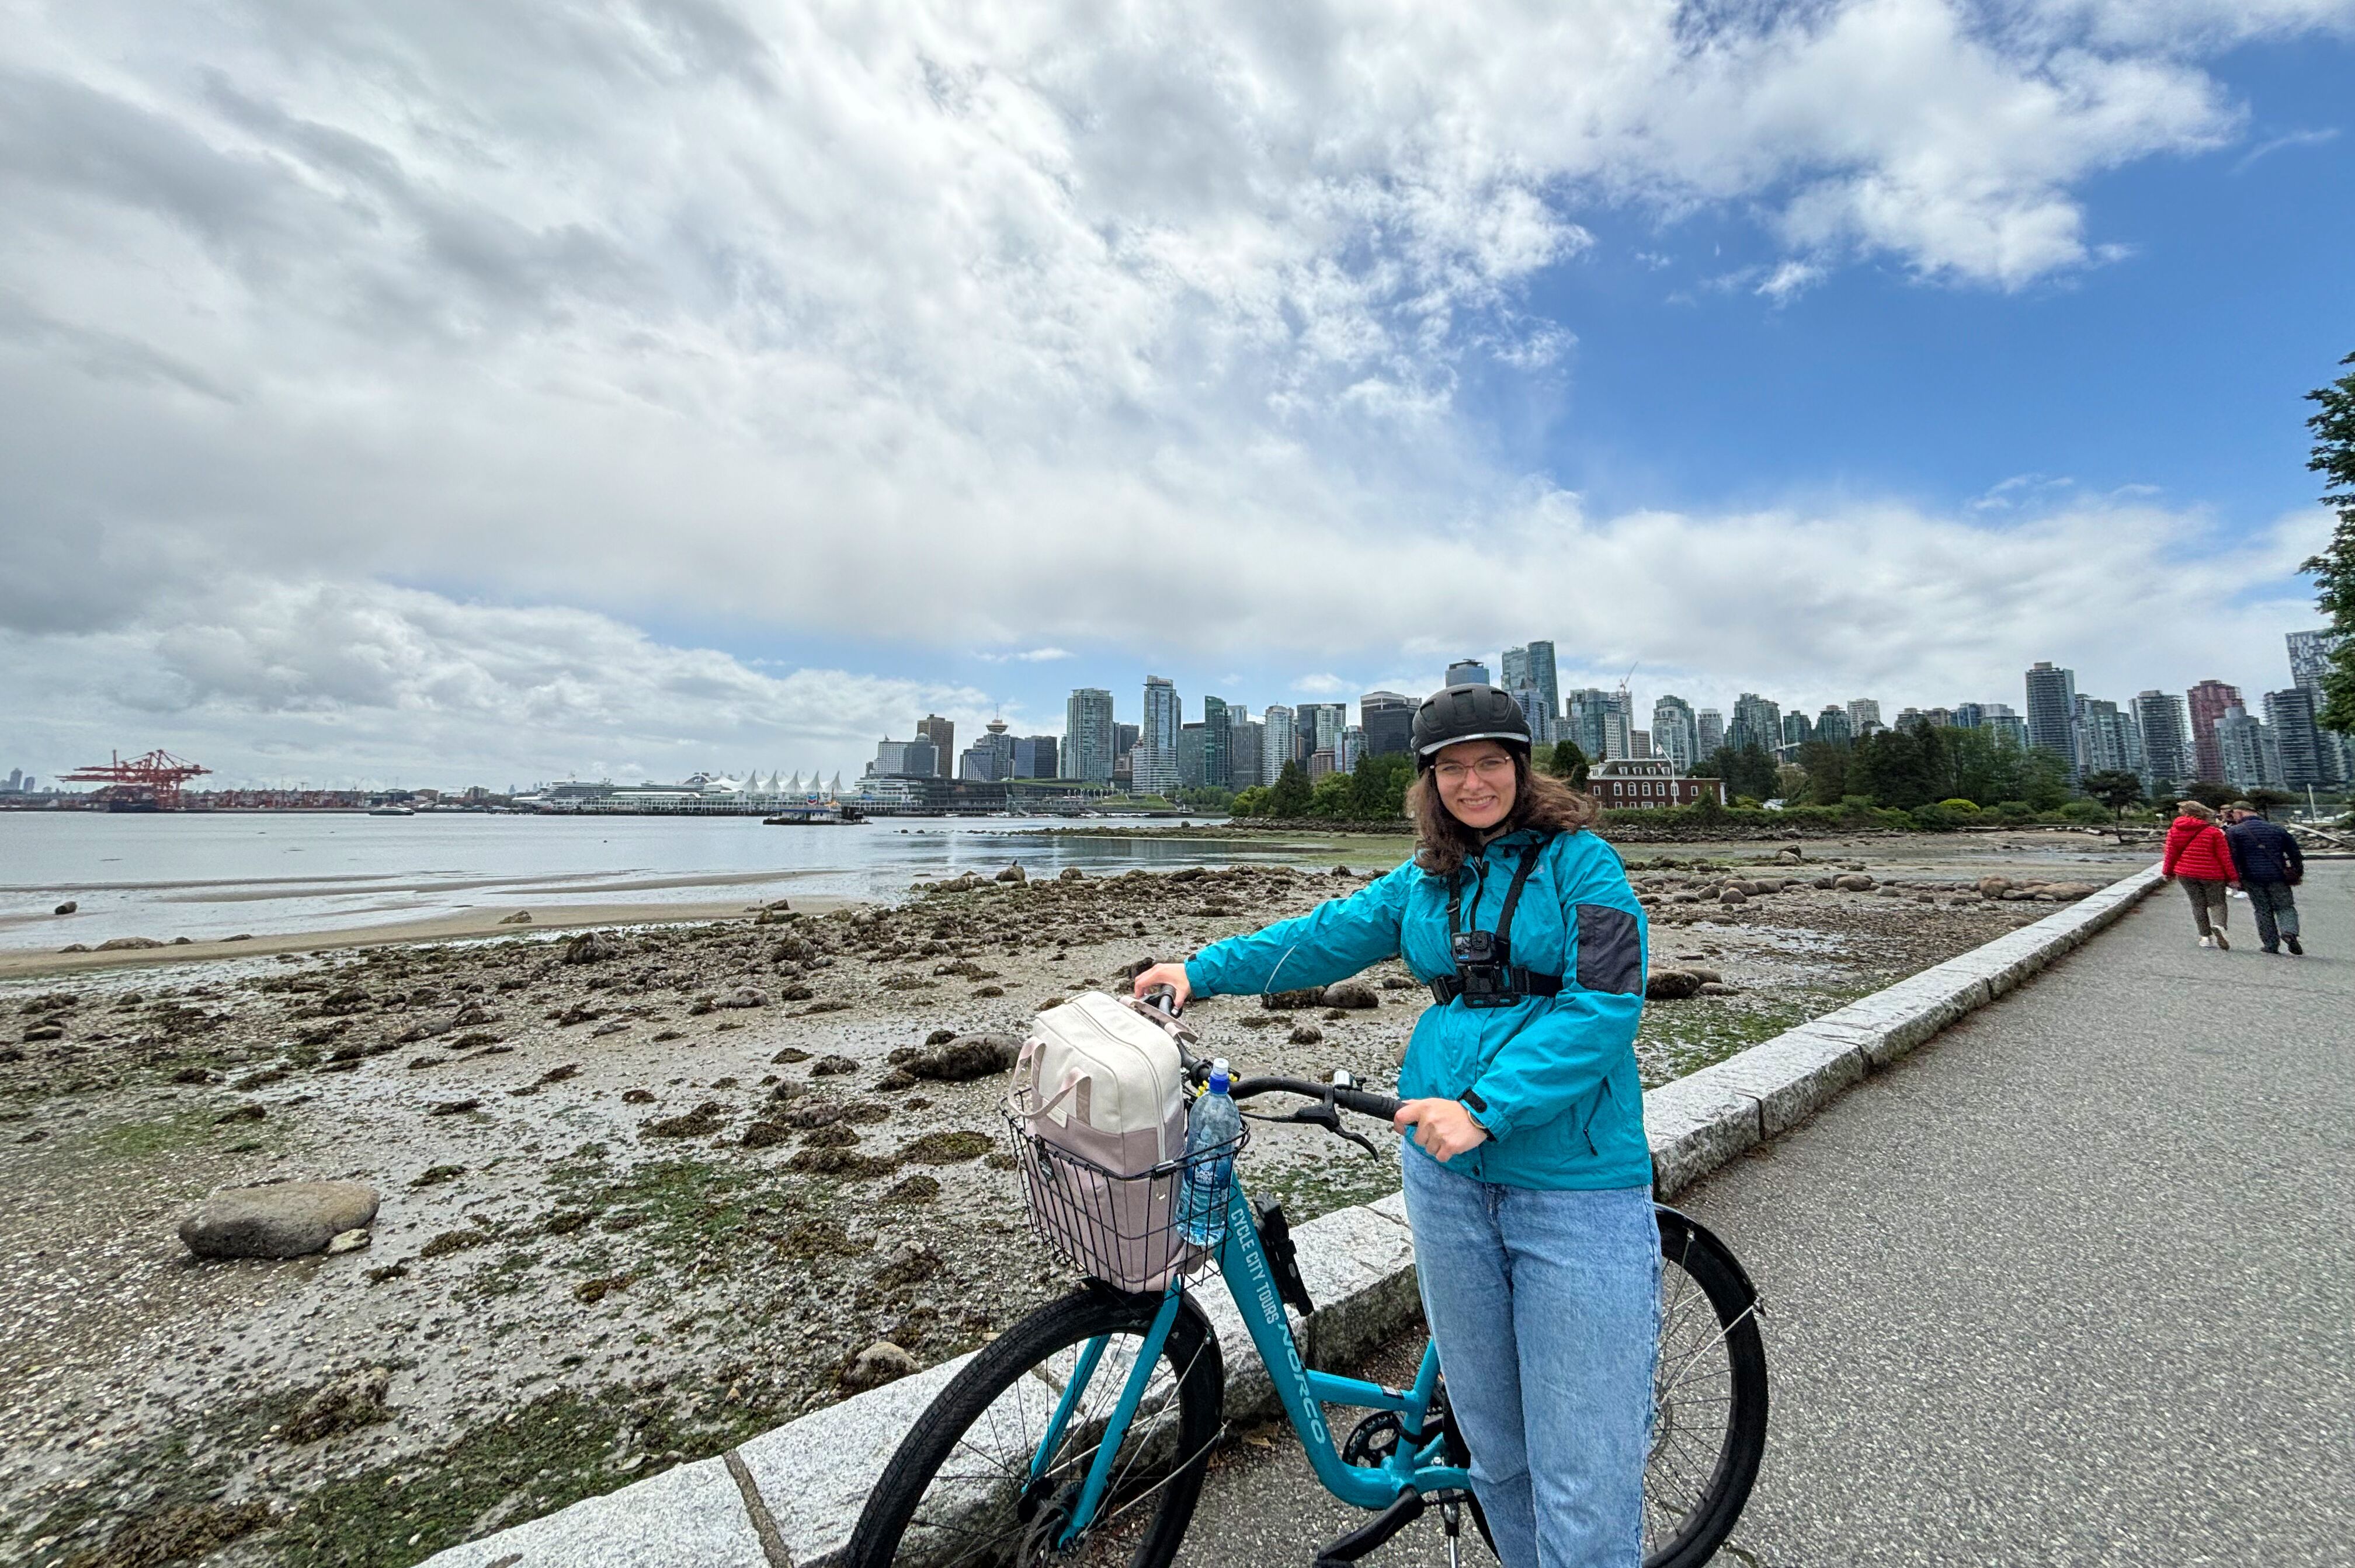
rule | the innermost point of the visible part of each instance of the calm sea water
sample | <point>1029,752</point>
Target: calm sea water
<point>215,875</point>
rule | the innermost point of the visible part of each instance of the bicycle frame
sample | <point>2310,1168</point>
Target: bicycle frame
<point>1413,1466</point>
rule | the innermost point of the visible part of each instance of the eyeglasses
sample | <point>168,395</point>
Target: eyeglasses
<point>1491,769</point>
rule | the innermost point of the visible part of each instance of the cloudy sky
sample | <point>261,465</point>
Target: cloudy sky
<point>467,391</point>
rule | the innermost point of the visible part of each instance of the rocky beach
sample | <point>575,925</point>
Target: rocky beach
<point>568,1207</point>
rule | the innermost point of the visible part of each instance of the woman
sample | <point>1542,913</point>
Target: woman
<point>1527,1180</point>
<point>2198,856</point>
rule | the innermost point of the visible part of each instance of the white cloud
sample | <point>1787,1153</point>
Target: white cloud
<point>260,679</point>
<point>2318,138</point>
<point>1029,656</point>
<point>1789,280</point>
<point>997,326</point>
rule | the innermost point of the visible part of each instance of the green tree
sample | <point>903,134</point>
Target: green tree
<point>1826,766</point>
<point>1748,771</point>
<point>2043,779</point>
<point>2211,795</point>
<point>1377,787</point>
<point>2114,787</point>
<point>1289,795</point>
<point>1252,802</point>
<point>1565,761</point>
<point>2334,568</point>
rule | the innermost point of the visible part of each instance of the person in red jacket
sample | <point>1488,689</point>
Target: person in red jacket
<point>2199,858</point>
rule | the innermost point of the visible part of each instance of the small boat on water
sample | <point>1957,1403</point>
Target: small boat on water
<point>390,811</point>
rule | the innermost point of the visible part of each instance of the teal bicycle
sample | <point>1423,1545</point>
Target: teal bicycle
<point>1082,1434</point>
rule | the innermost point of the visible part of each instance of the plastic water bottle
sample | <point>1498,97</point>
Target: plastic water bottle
<point>1212,1122</point>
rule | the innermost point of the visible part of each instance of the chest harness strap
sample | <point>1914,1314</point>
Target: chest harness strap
<point>1486,974</point>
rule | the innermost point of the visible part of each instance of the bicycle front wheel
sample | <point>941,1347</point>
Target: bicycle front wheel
<point>1709,1399</point>
<point>970,1484</point>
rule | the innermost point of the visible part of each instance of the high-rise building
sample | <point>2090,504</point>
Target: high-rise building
<point>1190,754</point>
<point>15,780</point>
<point>905,759</point>
<point>2310,653</point>
<point>1796,731</point>
<point>1711,725</point>
<point>2106,739</point>
<point>2245,758</point>
<point>1533,712</point>
<point>1756,722</point>
<point>942,733</point>
<point>1531,668</point>
<point>1863,716</point>
<point>1832,725</point>
<point>2208,702</point>
<point>990,758</point>
<point>1640,744</point>
<point>1938,718</point>
<point>1088,736</point>
<point>1968,715</point>
<point>1586,721</point>
<point>1154,768</point>
<point>1246,761</point>
<point>1218,771</point>
<point>1467,672</point>
<point>1348,747</point>
<point>2166,760</point>
<point>1674,735</point>
<point>1320,724</point>
<point>2306,760</point>
<point>1035,757</point>
<point>1388,720</point>
<point>1277,749</point>
<point>2309,656</point>
<point>2051,712</point>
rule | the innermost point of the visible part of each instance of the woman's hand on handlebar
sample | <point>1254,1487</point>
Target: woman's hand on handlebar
<point>1170,975</point>
<point>1443,1128</point>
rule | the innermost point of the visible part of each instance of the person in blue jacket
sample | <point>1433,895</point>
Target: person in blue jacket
<point>1528,1178</point>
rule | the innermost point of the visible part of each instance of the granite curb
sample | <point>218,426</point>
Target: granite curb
<point>790,1497</point>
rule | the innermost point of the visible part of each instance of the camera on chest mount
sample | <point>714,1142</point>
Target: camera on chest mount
<point>1483,967</point>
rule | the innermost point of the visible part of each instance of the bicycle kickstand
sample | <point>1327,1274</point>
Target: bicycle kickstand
<point>1451,1522</point>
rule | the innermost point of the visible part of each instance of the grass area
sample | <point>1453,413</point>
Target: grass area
<point>552,1453</point>
<point>1682,1037</point>
<point>681,1211</point>
<point>177,1134</point>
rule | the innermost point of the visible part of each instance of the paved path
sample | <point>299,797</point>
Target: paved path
<point>2074,1284</point>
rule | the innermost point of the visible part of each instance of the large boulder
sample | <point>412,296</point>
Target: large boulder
<point>284,1220</point>
<point>591,947</point>
<point>1354,994</point>
<point>1671,985</point>
<point>1853,882</point>
<point>1992,887</point>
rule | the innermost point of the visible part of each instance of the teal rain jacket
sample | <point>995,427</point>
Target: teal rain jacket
<point>1552,1078</point>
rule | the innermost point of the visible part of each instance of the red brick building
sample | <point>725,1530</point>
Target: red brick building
<point>1634,783</point>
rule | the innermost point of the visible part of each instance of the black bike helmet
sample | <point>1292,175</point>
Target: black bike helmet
<point>1468,713</point>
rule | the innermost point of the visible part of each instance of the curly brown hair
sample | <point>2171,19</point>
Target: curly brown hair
<point>1540,801</point>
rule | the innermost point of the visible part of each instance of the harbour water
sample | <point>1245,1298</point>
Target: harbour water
<point>207,876</point>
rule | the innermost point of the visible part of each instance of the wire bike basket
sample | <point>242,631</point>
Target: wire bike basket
<point>1125,1227</point>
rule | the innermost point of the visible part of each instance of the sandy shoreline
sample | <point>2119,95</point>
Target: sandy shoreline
<point>486,921</point>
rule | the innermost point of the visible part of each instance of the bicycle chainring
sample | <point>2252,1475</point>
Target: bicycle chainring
<point>1374,1441</point>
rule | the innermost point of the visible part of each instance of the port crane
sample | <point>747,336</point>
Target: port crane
<point>151,782</point>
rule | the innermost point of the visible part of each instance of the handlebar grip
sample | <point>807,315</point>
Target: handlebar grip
<point>1365,1105</point>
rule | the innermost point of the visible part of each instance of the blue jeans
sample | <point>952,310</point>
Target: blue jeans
<point>1546,1309</point>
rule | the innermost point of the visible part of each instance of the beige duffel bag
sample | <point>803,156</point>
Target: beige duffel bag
<point>1100,1102</point>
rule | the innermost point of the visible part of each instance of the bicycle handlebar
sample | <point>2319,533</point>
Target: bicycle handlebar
<point>1383,1107</point>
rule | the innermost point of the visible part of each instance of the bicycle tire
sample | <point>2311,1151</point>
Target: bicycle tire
<point>1010,1389</point>
<point>1689,1512</point>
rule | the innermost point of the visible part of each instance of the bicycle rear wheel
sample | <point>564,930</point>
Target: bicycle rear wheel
<point>960,1492</point>
<point>1709,1420</point>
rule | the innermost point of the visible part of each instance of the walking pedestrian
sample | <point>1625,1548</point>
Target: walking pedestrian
<point>2199,858</point>
<point>2270,864</point>
<point>1527,1179</point>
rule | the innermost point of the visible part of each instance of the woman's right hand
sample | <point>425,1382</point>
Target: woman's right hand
<point>1170,975</point>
